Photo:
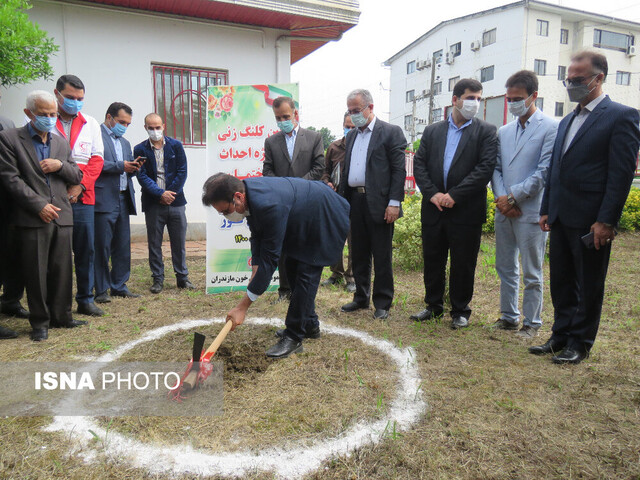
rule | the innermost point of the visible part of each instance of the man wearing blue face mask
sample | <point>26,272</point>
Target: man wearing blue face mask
<point>294,152</point>
<point>518,181</point>
<point>334,160</point>
<point>82,133</point>
<point>115,201</point>
<point>35,169</point>
<point>592,167</point>
<point>452,167</point>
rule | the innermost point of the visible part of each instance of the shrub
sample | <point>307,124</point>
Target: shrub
<point>407,236</point>
<point>489,227</point>
<point>630,219</point>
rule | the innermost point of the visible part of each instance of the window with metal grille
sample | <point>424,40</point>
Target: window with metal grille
<point>437,56</point>
<point>437,88</point>
<point>452,82</point>
<point>456,49</point>
<point>612,40</point>
<point>411,66</point>
<point>408,120</point>
<point>180,98</point>
<point>540,103</point>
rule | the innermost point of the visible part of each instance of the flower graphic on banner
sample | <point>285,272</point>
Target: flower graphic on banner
<point>220,101</point>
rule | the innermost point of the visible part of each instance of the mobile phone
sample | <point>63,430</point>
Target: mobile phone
<point>588,239</point>
<point>141,160</point>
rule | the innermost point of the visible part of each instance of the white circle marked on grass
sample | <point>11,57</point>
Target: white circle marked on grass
<point>403,413</point>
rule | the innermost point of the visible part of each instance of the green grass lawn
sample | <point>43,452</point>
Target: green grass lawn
<point>494,412</point>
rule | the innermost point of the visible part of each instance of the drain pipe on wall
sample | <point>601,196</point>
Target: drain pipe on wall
<point>292,37</point>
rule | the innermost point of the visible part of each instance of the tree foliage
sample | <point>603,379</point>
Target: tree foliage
<point>24,48</point>
<point>327,138</point>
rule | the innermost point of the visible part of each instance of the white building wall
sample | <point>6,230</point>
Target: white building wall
<point>112,52</point>
<point>505,55</point>
<point>517,46</point>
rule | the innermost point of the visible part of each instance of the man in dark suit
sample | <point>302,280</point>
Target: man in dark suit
<point>452,167</point>
<point>294,152</point>
<point>115,201</point>
<point>373,182</point>
<point>285,216</point>
<point>10,271</point>
<point>592,167</point>
<point>35,169</point>
<point>162,177</point>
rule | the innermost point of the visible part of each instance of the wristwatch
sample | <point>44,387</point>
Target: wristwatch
<point>510,199</point>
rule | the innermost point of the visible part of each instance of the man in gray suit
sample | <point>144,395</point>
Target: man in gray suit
<point>294,152</point>
<point>518,182</point>
<point>35,169</point>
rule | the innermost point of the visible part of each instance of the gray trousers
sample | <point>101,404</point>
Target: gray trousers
<point>528,240</point>
<point>48,273</point>
<point>156,217</point>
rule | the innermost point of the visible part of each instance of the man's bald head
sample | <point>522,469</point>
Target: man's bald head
<point>153,119</point>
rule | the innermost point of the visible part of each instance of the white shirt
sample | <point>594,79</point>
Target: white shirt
<point>358,166</point>
<point>579,121</point>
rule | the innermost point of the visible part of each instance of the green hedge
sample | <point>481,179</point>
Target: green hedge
<point>407,239</point>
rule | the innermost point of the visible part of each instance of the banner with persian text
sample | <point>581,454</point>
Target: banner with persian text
<point>239,119</point>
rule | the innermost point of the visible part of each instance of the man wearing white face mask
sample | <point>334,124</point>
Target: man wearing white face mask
<point>162,177</point>
<point>294,152</point>
<point>518,182</point>
<point>452,167</point>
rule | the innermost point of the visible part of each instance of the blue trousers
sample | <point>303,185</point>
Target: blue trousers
<point>84,250</point>
<point>175,219</point>
<point>113,242</point>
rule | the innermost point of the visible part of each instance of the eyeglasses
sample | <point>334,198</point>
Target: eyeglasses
<point>227,211</point>
<point>355,112</point>
<point>576,80</point>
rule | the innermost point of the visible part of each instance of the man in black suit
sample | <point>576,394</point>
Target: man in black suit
<point>285,216</point>
<point>294,152</point>
<point>592,167</point>
<point>35,169</point>
<point>452,167</point>
<point>373,182</point>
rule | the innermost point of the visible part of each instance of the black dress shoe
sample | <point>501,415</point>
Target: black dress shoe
<point>156,287</point>
<point>90,309</point>
<point>39,334</point>
<point>550,346</point>
<point>14,311</point>
<point>426,314</point>
<point>459,322</point>
<point>70,324</point>
<point>350,287</point>
<point>6,333</point>
<point>330,281</point>
<point>285,347</point>
<point>102,298</point>
<point>315,333</point>
<point>381,314</point>
<point>123,294</point>
<point>186,284</point>
<point>570,355</point>
<point>352,307</point>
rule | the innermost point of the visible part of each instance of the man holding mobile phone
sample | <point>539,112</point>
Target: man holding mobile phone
<point>592,166</point>
<point>115,201</point>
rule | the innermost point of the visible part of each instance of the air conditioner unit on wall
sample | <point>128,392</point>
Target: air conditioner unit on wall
<point>475,45</point>
<point>449,58</point>
<point>422,64</point>
<point>631,51</point>
<point>426,93</point>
